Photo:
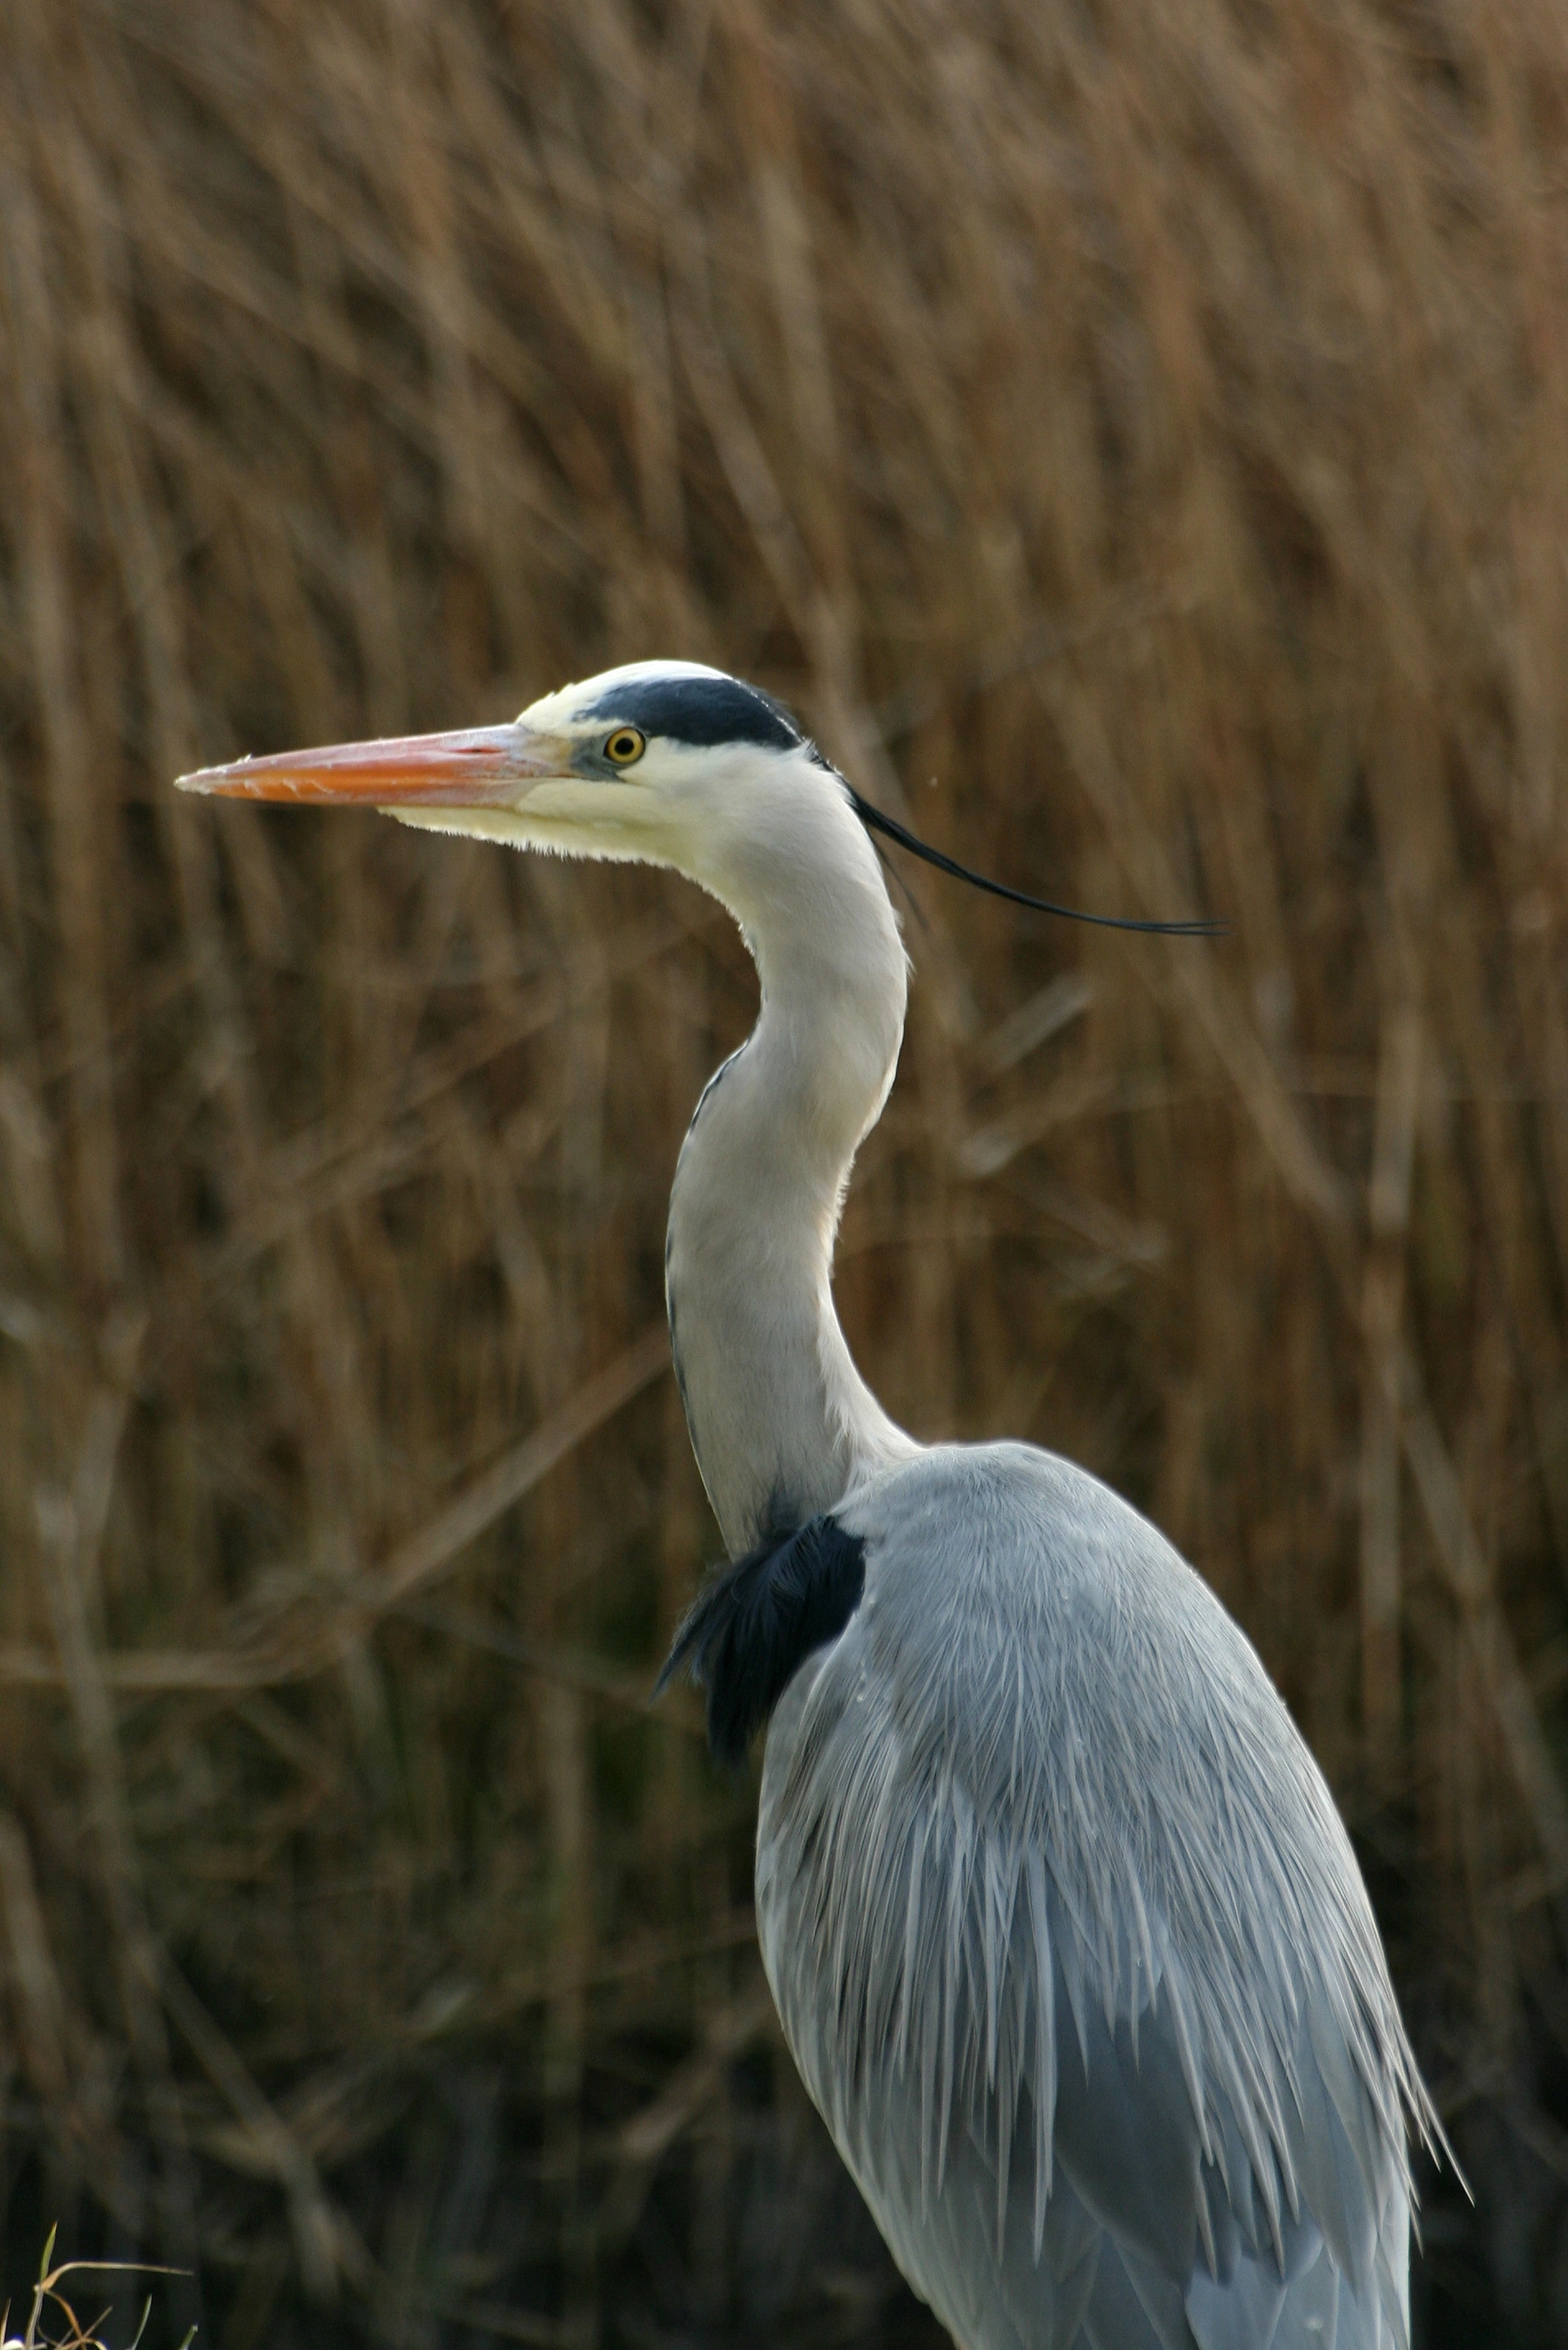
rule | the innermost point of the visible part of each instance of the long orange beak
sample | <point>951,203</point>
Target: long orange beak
<point>481,766</point>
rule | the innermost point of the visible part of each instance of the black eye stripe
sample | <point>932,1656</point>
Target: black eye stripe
<point>700,711</point>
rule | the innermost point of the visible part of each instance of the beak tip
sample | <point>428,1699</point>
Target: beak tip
<point>214,782</point>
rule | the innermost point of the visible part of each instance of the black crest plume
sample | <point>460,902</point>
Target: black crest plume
<point>875,821</point>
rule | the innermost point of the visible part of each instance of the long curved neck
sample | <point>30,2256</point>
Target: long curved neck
<point>782,1422</point>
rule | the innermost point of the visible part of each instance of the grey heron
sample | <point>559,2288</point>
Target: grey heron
<point>1066,1933</point>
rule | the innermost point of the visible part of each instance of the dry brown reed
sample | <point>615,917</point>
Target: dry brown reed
<point>1132,433</point>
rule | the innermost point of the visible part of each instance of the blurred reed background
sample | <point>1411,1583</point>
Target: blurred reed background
<point>1132,433</point>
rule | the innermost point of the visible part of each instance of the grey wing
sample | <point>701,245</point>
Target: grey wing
<point>1065,2138</point>
<point>1095,2282</point>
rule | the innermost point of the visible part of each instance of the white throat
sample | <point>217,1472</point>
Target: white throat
<point>781,1421</point>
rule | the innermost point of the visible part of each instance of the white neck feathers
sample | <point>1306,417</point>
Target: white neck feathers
<point>781,1421</point>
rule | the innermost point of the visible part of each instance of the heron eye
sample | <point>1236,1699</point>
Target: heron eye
<point>624,745</point>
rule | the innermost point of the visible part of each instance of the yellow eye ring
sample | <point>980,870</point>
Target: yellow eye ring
<point>624,745</point>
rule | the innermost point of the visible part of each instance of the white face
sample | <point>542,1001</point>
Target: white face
<point>652,761</point>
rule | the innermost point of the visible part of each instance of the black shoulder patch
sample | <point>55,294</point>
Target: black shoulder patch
<point>759,1619</point>
<point>700,709</point>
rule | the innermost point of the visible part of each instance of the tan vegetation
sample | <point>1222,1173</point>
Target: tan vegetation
<point>51,2322</point>
<point>1133,433</point>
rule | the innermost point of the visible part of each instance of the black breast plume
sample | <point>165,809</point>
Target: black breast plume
<point>758,1620</point>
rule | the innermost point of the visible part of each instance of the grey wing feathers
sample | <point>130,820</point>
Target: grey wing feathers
<point>1069,1942</point>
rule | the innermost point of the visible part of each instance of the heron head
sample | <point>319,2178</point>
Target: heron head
<point>662,761</point>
